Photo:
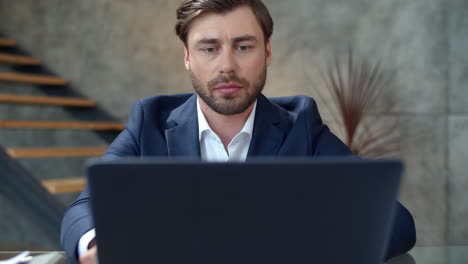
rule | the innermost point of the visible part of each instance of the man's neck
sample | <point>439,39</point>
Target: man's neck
<point>225,126</point>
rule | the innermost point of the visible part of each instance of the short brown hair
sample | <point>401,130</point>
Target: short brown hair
<point>189,10</point>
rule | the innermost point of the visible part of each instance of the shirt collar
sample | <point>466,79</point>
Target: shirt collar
<point>204,126</point>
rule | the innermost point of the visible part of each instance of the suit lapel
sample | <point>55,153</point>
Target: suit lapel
<point>182,134</point>
<point>267,136</point>
<point>268,133</point>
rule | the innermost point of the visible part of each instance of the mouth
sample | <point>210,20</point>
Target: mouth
<point>228,89</point>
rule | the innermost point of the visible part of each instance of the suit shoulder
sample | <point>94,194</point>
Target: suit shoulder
<point>157,109</point>
<point>296,104</point>
<point>164,102</point>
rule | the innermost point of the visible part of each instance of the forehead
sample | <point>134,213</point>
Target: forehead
<point>238,22</point>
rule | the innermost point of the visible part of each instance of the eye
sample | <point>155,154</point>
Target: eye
<point>209,50</point>
<point>244,47</point>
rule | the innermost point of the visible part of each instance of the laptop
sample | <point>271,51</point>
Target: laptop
<point>270,211</point>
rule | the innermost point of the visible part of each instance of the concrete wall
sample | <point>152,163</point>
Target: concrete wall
<point>118,51</point>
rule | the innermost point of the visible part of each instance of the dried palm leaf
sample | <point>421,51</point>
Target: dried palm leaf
<point>356,87</point>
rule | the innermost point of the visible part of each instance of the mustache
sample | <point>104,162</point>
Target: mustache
<point>220,79</point>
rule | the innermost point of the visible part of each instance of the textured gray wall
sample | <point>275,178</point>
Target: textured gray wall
<point>117,51</point>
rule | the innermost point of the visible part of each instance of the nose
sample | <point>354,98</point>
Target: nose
<point>227,63</point>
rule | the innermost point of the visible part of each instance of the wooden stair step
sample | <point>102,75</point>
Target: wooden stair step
<point>69,185</point>
<point>4,42</point>
<point>55,152</point>
<point>31,79</point>
<point>46,100</point>
<point>32,124</point>
<point>18,60</point>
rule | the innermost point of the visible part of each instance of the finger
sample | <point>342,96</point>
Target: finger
<point>90,257</point>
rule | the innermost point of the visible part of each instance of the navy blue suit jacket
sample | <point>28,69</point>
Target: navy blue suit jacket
<point>168,126</point>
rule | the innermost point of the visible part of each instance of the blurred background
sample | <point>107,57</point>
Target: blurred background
<point>111,53</point>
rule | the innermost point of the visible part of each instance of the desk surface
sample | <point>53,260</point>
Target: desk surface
<point>434,255</point>
<point>419,255</point>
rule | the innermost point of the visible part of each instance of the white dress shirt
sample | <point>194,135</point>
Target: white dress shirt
<point>211,149</point>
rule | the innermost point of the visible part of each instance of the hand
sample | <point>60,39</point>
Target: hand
<point>90,257</point>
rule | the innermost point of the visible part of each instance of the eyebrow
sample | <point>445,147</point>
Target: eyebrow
<point>245,38</point>
<point>235,40</point>
<point>207,41</point>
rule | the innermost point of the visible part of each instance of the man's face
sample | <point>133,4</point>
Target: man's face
<point>227,58</point>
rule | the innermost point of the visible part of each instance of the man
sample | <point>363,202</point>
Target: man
<point>227,51</point>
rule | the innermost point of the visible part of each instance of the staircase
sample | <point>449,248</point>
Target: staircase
<point>86,114</point>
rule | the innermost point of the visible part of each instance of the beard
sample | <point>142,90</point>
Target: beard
<point>234,103</point>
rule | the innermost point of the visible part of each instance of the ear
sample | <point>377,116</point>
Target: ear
<point>268,52</point>
<point>186,58</point>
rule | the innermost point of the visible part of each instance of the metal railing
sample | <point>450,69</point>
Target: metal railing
<point>29,196</point>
